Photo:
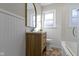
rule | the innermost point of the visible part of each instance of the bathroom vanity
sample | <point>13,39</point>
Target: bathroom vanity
<point>35,43</point>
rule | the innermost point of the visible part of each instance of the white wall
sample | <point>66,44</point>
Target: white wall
<point>39,8</point>
<point>55,33</point>
<point>66,29</point>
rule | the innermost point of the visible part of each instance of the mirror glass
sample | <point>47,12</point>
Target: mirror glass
<point>30,15</point>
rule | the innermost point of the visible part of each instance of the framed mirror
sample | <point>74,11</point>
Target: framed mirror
<point>30,16</point>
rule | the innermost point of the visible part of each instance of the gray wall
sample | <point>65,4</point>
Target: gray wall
<point>16,8</point>
<point>12,30</point>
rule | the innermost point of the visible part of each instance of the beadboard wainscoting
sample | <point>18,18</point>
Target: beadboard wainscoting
<point>12,34</point>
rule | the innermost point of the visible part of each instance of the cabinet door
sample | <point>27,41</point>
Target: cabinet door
<point>38,44</point>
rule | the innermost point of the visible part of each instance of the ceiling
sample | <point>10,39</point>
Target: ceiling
<point>45,4</point>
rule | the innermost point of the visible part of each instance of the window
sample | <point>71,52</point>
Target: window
<point>50,19</point>
<point>38,22</point>
<point>75,17</point>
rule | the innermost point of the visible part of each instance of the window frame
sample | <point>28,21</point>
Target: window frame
<point>54,16</point>
<point>70,21</point>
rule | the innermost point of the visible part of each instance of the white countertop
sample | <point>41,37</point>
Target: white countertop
<point>37,32</point>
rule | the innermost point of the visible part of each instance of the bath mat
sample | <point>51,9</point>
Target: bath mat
<point>53,52</point>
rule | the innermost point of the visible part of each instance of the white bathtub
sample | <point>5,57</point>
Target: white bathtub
<point>52,43</point>
<point>65,46</point>
<point>70,48</point>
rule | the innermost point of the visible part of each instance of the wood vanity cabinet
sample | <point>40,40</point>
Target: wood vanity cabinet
<point>35,43</point>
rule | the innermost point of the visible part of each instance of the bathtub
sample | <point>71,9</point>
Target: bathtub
<point>70,48</point>
<point>63,45</point>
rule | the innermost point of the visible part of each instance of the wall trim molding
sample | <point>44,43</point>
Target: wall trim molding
<point>11,14</point>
